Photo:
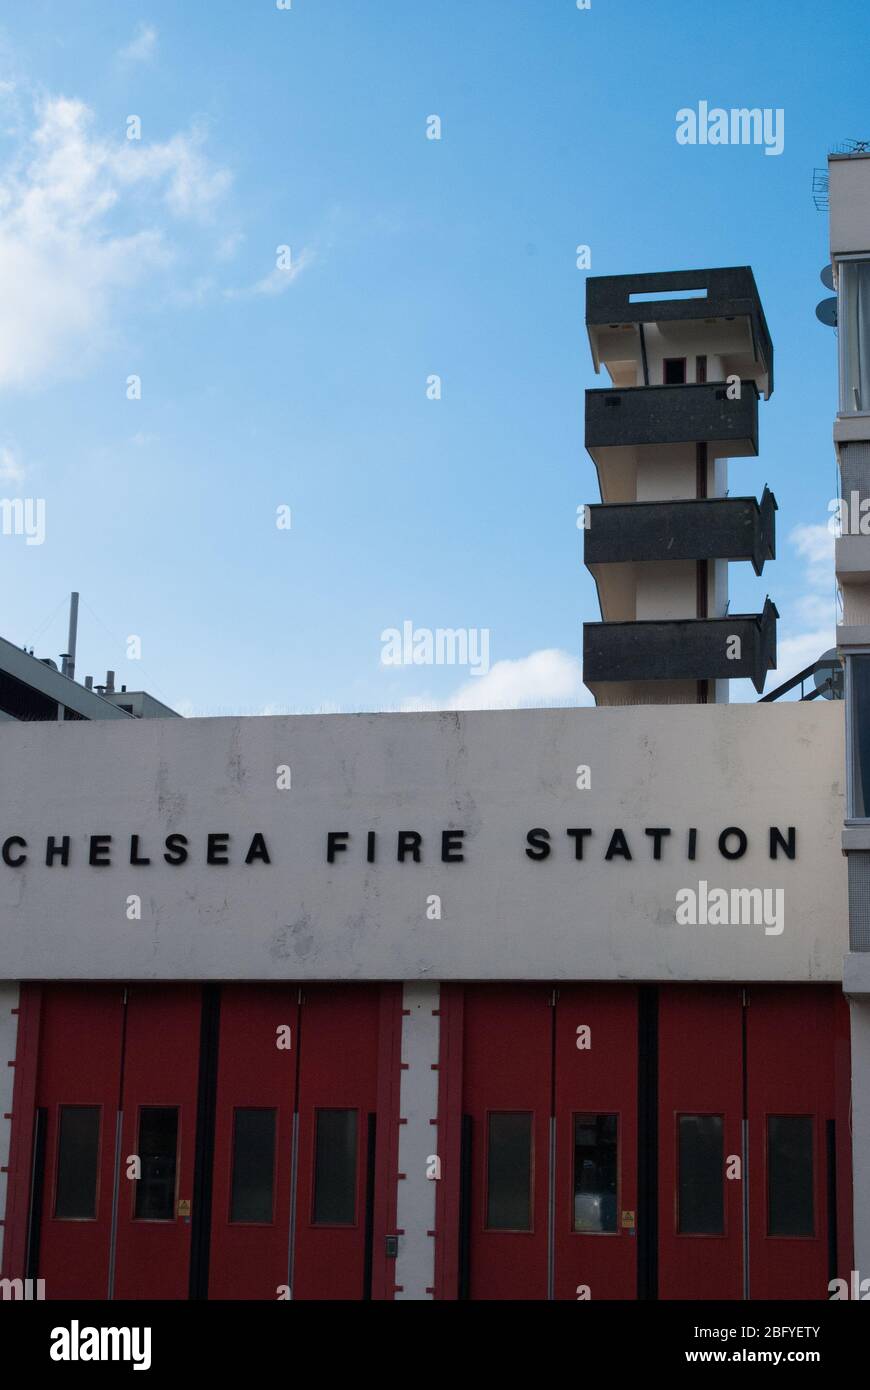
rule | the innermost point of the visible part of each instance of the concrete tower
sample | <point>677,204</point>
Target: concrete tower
<point>688,353</point>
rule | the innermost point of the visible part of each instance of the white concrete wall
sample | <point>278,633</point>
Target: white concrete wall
<point>666,472</point>
<point>722,343</point>
<point>8,1036</point>
<point>667,589</point>
<point>493,775</point>
<point>618,694</point>
<point>849,190</point>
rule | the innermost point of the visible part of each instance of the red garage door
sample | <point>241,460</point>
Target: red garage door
<point>336,1150</point>
<point>550,1135</point>
<point>506,1100</point>
<point>78,1081</point>
<point>116,1112</point>
<point>595,1196</point>
<point>799,1175</point>
<point>193,1141</point>
<point>700,1212</point>
<point>158,1132</point>
<point>616,1141</point>
<point>256,1103</point>
<point>602,1141</point>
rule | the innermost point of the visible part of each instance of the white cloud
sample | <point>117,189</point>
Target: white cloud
<point>141,47</point>
<point>795,653</point>
<point>278,281</point>
<point>816,544</point>
<point>11,468</point>
<point>809,628</point>
<point>191,184</point>
<point>544,677</point>
<point>70,203</point>
<point>228,246</point>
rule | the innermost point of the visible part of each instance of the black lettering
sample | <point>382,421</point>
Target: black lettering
<point>135,856</point>
<point>538,844</point>
<point>54,850</point>
<point>409,843</point>
<point>335,844</point>
<point>741,842</point>
<point>618,845</point>
<point>216,851</point>
<point>7,851</point>
<point>657,836</point>
<point>257,850</point>
<point>176,849</point>
<point>578,837</point>
<point>778,841</point>
<point>693,840</point>
<point>451,852</point>
<point>98,851</point>
<point>370,847</point>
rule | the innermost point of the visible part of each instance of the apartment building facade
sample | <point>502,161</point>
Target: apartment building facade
<point>849,193</point>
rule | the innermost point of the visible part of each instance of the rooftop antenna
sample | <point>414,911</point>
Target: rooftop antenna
<point>68,658</point>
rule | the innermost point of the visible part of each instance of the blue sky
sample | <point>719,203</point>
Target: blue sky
<point>409,257</point>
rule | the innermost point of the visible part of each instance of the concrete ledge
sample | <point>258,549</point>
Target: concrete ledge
<point>851,429</point>
<point>856,974</point>
<point>852,559</point>
<point>856,837</point>
<point>853,635</point>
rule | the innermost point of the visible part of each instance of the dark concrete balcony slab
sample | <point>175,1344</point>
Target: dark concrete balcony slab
<point>714,528</point>
<point>636,415</point>
<point>731,293</point>
<point>683,649</point>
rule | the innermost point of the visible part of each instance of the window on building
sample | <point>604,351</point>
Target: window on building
<point>595,1171</point>
<point>859,736</point>
<point>853,321</point>
<point>701,1175</point>
<point>700,370</point>
<point>790,1175</point>
<point>674,371</point>
<point>509,1172</point>
<point>335,1150</point>
<point>253,1165</point>
<point>158,1148</point>
<point>78,1149</point>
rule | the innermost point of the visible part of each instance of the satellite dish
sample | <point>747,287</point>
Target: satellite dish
<point>827,277</point>
<point>826,311</point>
<point>828,675</point>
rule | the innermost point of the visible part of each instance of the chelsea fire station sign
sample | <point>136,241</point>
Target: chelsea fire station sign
<point>406,847</point>
<point>540,844</point>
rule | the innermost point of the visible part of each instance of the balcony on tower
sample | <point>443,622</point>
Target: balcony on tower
<point>621,538</point>
<point>641,327</point>
<point>621,659</point>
